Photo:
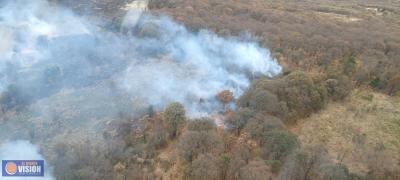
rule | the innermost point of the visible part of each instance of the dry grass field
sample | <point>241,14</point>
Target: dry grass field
<point>365,127</point>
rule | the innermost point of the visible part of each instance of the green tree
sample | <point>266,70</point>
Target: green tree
<point>255,170</point>
<point>338,86</point>
<point>278,144</point>
<point>302,95</point>
<point>193,143</point>
<point>238,120</point>
<point>265,101</point>
<point>304,163</point>
<point>350,65</point>
<point>335,172</point>
<point>205,167</point>
<point>260,125</point>
<point>174,117</point>
<point>202,124</point>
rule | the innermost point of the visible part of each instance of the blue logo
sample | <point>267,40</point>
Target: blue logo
<point>22,167</point>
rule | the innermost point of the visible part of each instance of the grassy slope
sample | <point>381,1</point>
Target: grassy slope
<point>354,128</point>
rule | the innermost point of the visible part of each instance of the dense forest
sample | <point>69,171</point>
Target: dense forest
<point>333,113</point>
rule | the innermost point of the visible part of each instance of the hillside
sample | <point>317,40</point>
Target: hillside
<point>202,89</point>
<point>361,132</point>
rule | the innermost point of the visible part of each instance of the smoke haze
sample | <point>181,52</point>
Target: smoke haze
<point>46,49</point>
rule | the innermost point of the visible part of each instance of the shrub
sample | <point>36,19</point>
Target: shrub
<point>203,167</point>
<point>202,124</point>
<point>350,65</point>
<point>338,87</point>
<point>255,170</point>
<point>376,83</point>
<point>295,95</point>
<point>278,144</point>
<point>242,151</point>
<point>273,86</point>
<point>394,85</point>
<point>260,125</point>
<point>304,163</point>
<point>234,166</point>
<point>275,165</point>
<point>265,101</point>
<point>174,117</point>
<point>225,97</point>
<point>193,143</point>
<point>336,172</point>
<point>238,121</point>
<point>302,95</point>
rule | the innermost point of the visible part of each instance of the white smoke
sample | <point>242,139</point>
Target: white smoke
<point>44,49</point>
<point>23,150</point>
<point>186,67</point>
<point>134,10</point>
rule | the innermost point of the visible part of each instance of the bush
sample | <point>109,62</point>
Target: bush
<point>301,94</point>
<point>394,85</point>
<point>193,143</point>
<point>293,96</point>
<point>255,170</point>
<point>376,83</point>
<point>275,165</point>
<point>174,117</point>
<point>238,120</point>
<point>350,65</point>
<point>336,172</point>
<point>202,124</point>
<point>260,125</point>
<point>278,144</point>
<point>264,84</point>
<point>233,168</point>
<point>304,163</point>
<point>204,167</point>
<point>338,87</point>
<point>225,97</point>
<point>265,101</point>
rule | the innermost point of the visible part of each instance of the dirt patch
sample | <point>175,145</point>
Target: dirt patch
<point>338,17</point>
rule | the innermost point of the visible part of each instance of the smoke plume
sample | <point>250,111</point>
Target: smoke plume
<point>46,49</point>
